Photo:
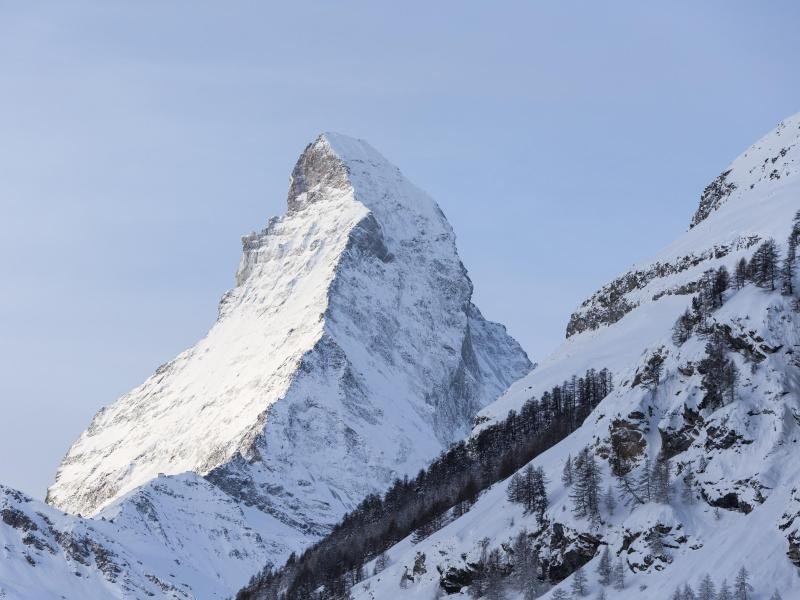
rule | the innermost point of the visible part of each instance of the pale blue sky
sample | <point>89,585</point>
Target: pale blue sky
<point>564,141</point>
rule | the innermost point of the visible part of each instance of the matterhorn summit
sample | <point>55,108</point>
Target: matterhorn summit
<point>347,355</point>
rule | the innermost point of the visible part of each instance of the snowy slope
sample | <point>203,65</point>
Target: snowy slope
<point>348,354</point>
<point>745,454</point>
<point>175,537</point>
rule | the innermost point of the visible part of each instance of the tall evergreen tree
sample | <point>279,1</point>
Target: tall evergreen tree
<point>687,491</point>
<point>763,267</point>
<point>567,475</point>
<point>719,374</point>
<point>722,282</point>
<point>380,563</point>
<point>604,568</point>
<point>585,493</point>
<point>724,592</point>
<point>706,590</point>
<point>618,575</point>
<point>660,480</point>
<point>788,268</point>
<point>579,584</point>
<point>740,276</point>
<point>653,368</point>
<point>644,483</point>
<point>610,500</point>
<point>741,587</point>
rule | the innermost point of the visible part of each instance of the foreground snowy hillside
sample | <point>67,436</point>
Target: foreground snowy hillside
<point>348,354</point>
<point>176,537</point>
<point>691,465</point>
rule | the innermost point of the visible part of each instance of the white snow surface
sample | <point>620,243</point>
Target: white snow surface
<point>349,353</point>
<point>175,537</point>
<point>760,468</point>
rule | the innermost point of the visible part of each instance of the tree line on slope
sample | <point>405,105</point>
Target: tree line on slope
<point>765,269</point>
<point>442,491</point>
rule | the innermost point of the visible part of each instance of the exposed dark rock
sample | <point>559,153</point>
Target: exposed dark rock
<point>568,553</point>
<point>713,197</point>
<point>18,519</point>
<point>454,579</point>
<point>722,438</point>
<point>727,501</point>
<point>627,441</point>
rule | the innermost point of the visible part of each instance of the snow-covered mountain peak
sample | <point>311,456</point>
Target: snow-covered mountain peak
<point>348,353</point>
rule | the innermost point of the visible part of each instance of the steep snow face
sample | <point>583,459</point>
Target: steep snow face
<point>742,508</point>
<point>348,353</point>
<point>176,537</point>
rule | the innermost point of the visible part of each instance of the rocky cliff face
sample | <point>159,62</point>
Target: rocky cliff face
<point>348,354</point>
<point>732,494</point>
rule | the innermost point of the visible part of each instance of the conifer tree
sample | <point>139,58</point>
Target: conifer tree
<point>776,596</point>
<point>610,500</point>
<point>706,590</point>
<point>586,489</point>
<point>788,268</point>
<point>719,374</point>
<point>651,374</point>
<point>687,491</point>
<point>742,588</point>
<point>380,563</point>
<point>740,276</point>
<point>722,281</point>
<point>660,480</point>
<point>567,475</point>
<point>538,493</point>
<point>724,592</point>
<point>688,593</point>
<point>763,266</point>
<point>682,330</point>
<point>579,583</point>
<point>604,568</point>
<point>644,483</point>
<point>618,575</point>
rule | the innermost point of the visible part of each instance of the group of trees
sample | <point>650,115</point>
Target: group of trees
<point>742,590</point>
<point>765,269</point>
<point>529,488</point>
<point>525,572</point>
<point>651,484</point>
<point>443,490</point>
<point>709,297</point>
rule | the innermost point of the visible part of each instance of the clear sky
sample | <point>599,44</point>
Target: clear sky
<point>140,140</point>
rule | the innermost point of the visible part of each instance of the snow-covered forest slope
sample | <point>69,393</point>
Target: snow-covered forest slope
<point>690,466</point>
<point>348,354</point>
